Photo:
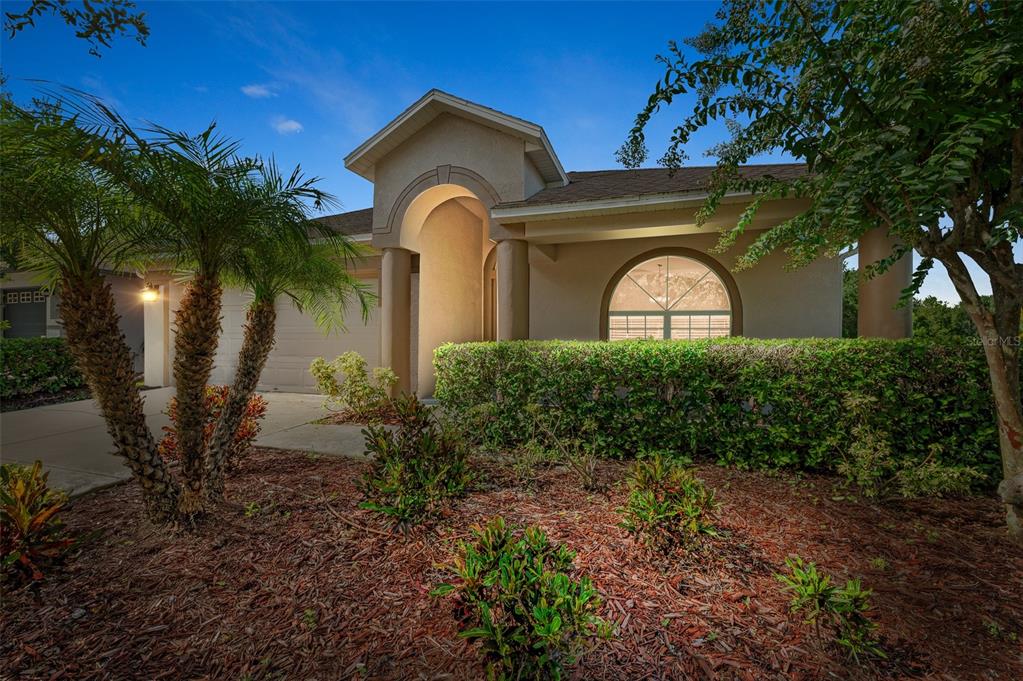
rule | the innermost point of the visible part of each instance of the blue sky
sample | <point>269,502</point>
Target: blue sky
<point>309,81</point>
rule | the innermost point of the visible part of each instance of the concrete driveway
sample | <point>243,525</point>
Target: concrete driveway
<point>72,442</point>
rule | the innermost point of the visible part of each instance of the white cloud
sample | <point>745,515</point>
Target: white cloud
<point>257,91</point>
<point>287,126</point>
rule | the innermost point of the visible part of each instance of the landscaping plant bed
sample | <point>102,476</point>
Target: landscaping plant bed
<point>293,580</point>
<point>41,399</point>
<point>384,415</point>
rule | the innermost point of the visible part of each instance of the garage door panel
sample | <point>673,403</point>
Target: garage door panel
<point>298,342</point>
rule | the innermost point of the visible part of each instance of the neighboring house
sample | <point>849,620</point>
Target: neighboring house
<point>32,311</point>
<point>478,233</point>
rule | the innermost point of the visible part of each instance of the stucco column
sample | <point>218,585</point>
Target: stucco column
<point>878,316</point>
<point>512,289</point>
<point>156,338</point>
<point>396,314</point>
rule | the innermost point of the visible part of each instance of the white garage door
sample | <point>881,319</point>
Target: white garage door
<point>299,341</point>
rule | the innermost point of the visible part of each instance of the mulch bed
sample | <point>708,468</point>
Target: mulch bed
<point>382,416</point>
<point>43,399</point>
<point>292,580</point>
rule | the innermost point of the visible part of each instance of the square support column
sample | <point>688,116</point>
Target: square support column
<point>396,314</point>
<point>157,340</point>
<point>512,289</point>
<point>878,316</point>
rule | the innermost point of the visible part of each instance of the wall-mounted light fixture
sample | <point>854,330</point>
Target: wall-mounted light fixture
<point>150,293</point>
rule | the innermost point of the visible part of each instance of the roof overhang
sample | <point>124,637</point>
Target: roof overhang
<point>538,149</point>
<point>622,204</point>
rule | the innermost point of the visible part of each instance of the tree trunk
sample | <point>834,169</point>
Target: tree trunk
<point>999,334</point>
<point>260,324</point>
<point>99,348</point>
<point>195,344</point>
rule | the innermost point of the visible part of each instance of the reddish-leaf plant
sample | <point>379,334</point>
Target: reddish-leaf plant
<point>216,396</point>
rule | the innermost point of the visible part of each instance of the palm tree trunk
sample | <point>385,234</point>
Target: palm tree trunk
<point>195,345</point>
<point>99,348</point>
<point>260,323</point>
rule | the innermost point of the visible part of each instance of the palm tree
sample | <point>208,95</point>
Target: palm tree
<point>71,222</point>
<point>317,279</point>
<point>214,204</point>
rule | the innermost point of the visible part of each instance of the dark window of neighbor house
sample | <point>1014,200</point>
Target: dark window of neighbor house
<point>25,310</point>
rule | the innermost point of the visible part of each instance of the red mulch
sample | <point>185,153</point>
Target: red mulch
<point>311,587</point>
<point>383,415</point>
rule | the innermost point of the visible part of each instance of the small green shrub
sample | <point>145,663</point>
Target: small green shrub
<point>573,449</point>
<point>36,365</point>
<point>358,393</point>
<point>415,468</point>
<point>31,533</point>
<point>532,619</point>
<point>870,464</point>
<point>668,506</point>
<point>752,403</point>
<point>842,609</point>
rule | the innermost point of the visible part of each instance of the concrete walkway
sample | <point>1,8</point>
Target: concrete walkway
<point>72,442</point>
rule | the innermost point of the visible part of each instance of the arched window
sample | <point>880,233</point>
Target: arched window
<point>669,297</point>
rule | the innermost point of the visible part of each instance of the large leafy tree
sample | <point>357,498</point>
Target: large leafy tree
<point>97,22</point>
<point>909,116</point>
<point>72,223</point>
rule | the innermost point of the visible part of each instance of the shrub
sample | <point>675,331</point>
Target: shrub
<point>36,365</point>
<point>754,403</point>
<point>31,533</point>
<point>532,619</point>
<point>842,609</point>
<point>575,450</point>
<point>870,464</point>
<point>416,467</point>
<point>215,397</point>
<point>357,393</point>
<point>667,506</point>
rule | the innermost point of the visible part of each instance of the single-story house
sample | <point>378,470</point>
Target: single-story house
<point>478,233</point>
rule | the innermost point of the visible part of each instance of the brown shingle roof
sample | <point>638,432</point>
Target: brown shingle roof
<point>352,223</point>
<point>593,185</point>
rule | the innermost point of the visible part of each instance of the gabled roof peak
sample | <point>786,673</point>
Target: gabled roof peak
<point>435,102</point>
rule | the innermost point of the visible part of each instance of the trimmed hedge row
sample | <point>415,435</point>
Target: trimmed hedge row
<point>35,365</point>
<point>748,402</point>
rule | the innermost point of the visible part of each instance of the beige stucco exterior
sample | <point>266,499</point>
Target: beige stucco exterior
<point>462,254</point>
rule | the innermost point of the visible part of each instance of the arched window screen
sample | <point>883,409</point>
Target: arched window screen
<point>669,297</point>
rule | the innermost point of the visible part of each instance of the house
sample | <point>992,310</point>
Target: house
<point>478,233</point>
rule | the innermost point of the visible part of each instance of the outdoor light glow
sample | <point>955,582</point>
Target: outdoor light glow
<point>150,294</point>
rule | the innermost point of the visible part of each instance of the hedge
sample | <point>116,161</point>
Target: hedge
<point>748,402</point>
<point>36,365</point>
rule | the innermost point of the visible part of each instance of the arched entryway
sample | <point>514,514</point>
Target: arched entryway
<point>444,229</point>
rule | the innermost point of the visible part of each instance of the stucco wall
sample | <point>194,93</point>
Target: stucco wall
<point>450,284</point>
<point>565,295</point>
<point>448,140</point>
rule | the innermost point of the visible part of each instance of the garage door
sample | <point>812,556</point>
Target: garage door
<point>299,341</point>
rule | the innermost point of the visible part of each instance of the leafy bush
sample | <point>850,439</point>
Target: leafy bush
<point>667,506</point>
<point>215,397</point>
<point>31,534</point>
<point>532,619</point>
<point>756,403</point>
<point>415,468</point>
<point>870,464</point>
<point>36,365</point>
<point>843,609</point>
<point>357,393</point>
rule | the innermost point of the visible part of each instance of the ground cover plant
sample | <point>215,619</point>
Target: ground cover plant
<point>31,532</point>
<point>348,386</point>
<point>216,398</point>
<point>532,618</point>
<point>416,467</point>
<point>311,586</point>
<point>667,506</point>
<point>842,608</point>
